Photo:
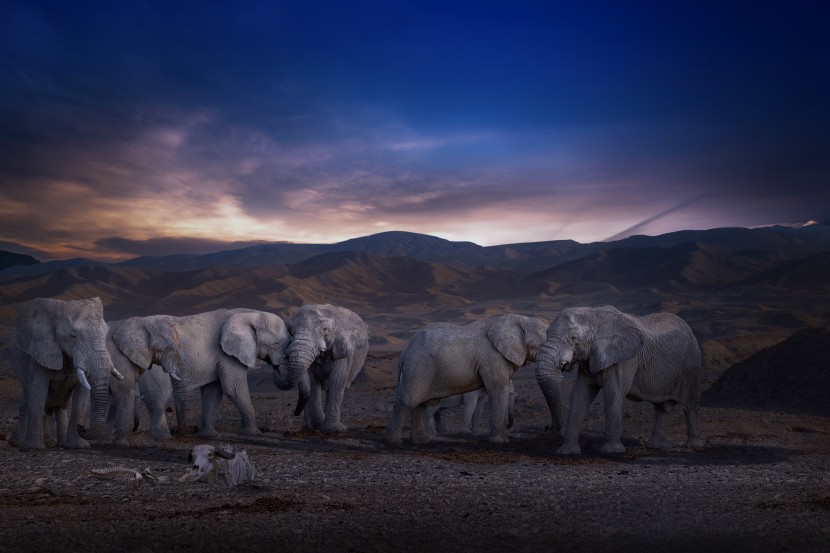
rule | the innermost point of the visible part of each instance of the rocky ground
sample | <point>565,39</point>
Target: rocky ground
<point>761,484</point>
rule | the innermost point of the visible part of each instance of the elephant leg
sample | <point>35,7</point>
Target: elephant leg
<point>338,382</point>
<point>694,440</point>
<point>37,387</point>
<point>20,428</point>
<point>61,427</point>
<point>314,415</point>
<point>211,399</point>
<point>80,406</point>
<point>235,383</point>
<point>53,433</point>
<point>124,410</point>
<point>400,410</point>
<point>473,404</point>
<point>419,425</point>
<point>582,396</point>
<point>158,429</point>
<point>435,425</point>
<point>658,438</point>
<point>498,414</point>
<point>615,386</point>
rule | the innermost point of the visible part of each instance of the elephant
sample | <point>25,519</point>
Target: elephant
<point>655,358</point>
<point>473,403</point>
<point>56,347</point>
<point>444,359</point>
<point>328,347</point>
<point>136,345</point>
<point>216,349</point>
<point>155,391</point>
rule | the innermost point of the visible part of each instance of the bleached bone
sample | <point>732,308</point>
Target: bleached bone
<point>124,473</point>
<point>209,463</point>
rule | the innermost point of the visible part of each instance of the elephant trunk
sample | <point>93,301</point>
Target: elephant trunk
<point>99,396</point>
<point>300,355</point>
<point>549,377</point>
<point>304,388</point>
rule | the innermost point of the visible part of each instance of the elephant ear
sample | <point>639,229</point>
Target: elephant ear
<point>507,336</point>
<point>133,340</point>
<point>616,341</point>
<point>239,338</point>
<point>350,335</point>
<point>34,333</point>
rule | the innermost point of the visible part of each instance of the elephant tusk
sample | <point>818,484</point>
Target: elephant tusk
<point>118,376</point>
<point>83,381</point>
<point>175,377</point>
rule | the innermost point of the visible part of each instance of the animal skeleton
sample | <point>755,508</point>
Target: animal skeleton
<point>209,463</point>
<point>127,474</point>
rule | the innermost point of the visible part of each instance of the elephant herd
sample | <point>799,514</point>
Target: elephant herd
<point>74,367</point>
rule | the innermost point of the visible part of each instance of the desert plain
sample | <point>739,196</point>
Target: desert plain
<point>758,301</point>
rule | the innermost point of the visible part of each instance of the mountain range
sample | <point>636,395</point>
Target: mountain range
<point>740,289</point>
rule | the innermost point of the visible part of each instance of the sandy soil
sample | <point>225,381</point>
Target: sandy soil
<point>762,484</point>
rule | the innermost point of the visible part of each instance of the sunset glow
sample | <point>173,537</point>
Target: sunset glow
<point>144,129</point>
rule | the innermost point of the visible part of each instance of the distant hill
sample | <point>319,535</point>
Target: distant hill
<point>808,274</point>
<point>47,267</point>
<point>740,289</point>
<point>10,259</point>
<point>793,376</point>
<point>529,258</point>
<point>685,264</point>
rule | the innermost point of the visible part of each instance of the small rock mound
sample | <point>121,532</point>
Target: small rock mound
<point>792,376</point>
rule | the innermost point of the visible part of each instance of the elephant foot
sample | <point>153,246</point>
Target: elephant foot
<point>49,441</point>
<point>249,431</point>
<point>418,438</point>
<point>657,443</point>
<point>695,443</point>
<point>27,446</point>
<point>498,439</point>
<point>569,449</point>
<point>335,426</point>
<point>121,442</point>
<point>392,439</point>
<point>159,436</point>
<point>612,448</point>
<point>558,433</point>
<point>76,443</point>
<point>208,433</point>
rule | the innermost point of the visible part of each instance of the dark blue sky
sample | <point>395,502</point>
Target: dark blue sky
<point>153,128</point>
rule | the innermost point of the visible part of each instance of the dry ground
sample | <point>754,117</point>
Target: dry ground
<point>762,484</point>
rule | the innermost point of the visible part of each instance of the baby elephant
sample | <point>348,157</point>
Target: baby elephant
<point>473,403</point>
<point>210,463</point>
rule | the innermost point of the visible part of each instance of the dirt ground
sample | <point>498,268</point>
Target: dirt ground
<point>762,484</point>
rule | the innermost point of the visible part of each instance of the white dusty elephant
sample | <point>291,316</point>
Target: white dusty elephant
<point>328,347</point>
<point>136,345</point>
<point>216,349</point>
<point>473,403</point>
<point>444,359</point>
<point>655,358</point>
<point>156,392</point>
<point>57,346</point>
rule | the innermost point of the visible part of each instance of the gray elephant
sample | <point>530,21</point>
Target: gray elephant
<point>655,358</point>
<point>136,345</point>
<point>155,391</point>
<point>328,347</point>
<point>216,349</point>
<point>57,346</point>
<point>473,403</point>
<point>444,359</point>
